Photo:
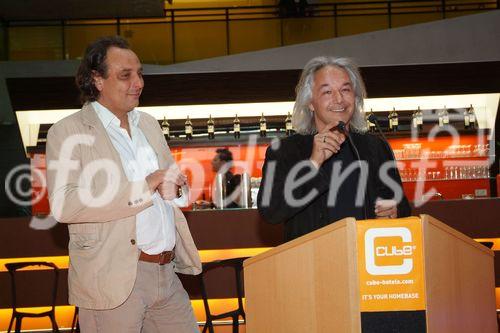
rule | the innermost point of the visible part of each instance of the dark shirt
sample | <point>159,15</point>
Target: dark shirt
<point>314,214</point>
<point>344,205</point>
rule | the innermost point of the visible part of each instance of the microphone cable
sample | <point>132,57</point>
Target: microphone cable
<point>373,118</point>
<point>342,129</point>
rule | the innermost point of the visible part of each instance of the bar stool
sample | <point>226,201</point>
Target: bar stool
<point>75,323</point>
<point>489,245</point>
<point>19,315</point>
<point>237,265</point>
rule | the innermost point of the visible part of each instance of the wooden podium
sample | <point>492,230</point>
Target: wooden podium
<point>413,274</point>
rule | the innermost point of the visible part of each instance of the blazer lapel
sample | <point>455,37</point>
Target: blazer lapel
<point>149,132</point>
<point>102,144</point>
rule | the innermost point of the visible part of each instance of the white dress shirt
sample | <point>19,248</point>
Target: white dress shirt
<point>155,226</point>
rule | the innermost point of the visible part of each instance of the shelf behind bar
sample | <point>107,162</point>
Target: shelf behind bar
<point>478,157</point>
<point>228,139</point>
<point>225,139</point>
<point>444,180</point>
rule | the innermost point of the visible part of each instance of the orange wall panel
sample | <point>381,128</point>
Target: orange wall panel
<point>196,163</point>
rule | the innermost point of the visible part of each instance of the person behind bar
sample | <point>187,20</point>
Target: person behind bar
<point>112,178</point>
<point>222,163</point>
<point>314,177</point>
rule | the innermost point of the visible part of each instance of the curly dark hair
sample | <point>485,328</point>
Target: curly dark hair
<point>94,61</point>
<point>224,154</point>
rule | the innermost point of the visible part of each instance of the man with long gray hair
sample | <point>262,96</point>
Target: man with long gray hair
<point>331,168</point>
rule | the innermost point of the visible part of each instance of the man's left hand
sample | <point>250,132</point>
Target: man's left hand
<point>386,209</point>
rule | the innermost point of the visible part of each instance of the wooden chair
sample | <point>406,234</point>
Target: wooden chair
<point>19,315</point>
<point>237,265</point>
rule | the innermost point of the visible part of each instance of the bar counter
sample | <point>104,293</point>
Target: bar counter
<point>224,230</point>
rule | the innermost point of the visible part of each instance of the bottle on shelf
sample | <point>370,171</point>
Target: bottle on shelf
<point>369,124</point>
<point>446,117</point>
<point>417,119</point>
<point>414,120</point>
<point>188,129</point>
<point>288,125</point>
<point>420,119</point>
<point>393,120</point>
<point>472,118</point>
<point>263,126</point>
<point>466,119</point>
<point>165,128</point>
<point>443,117</point>
<point>236,127</point>
<point>210,128</point>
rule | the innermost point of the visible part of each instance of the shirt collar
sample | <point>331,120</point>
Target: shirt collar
<point>133,117</point>
<point>107,117</point>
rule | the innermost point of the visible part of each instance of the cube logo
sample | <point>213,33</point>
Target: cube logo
<point>372,252</point>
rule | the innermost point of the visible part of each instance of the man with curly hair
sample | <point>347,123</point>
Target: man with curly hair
<point>112,179</point>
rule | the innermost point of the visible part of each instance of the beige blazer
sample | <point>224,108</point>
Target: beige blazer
<point>102,247</point>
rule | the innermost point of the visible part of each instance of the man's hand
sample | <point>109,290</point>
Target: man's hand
<point>386,209</point>
<point>172,181</point>
<point>154,179</point>
<point>325,144</point>
<point>166,182</point>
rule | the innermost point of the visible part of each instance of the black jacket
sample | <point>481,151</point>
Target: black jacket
<point>314,215</point>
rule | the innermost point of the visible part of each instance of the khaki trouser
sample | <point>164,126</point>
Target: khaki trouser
<point>158,303</point>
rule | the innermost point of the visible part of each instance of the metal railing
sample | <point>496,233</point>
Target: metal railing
<point>337,11</point>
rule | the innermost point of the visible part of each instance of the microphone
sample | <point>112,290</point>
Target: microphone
<point>341,128</point>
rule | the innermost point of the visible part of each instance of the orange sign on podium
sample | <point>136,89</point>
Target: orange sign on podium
<point>390,265</point>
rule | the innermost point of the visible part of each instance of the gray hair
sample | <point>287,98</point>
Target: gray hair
<point>303,119</point>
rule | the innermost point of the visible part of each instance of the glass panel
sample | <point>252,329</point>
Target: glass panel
<point>35,43</point>
<point>306,30</point>
<point>144,20</point>
<point>92,22</point>
<point>455,8</point>
<point>253,13</point>
<point>200,15</point>
<point>352,25</point>
<point>407,19</point>
<point>198,40</point>
<point>265,34</point>
<point>80,36</point>
<point>462,13</point>
<point>152,42</point>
